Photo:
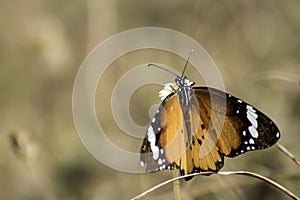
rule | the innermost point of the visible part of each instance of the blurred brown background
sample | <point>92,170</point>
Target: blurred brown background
<point>255,44</point>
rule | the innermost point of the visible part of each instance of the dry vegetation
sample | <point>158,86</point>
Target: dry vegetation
<point>255,44</point>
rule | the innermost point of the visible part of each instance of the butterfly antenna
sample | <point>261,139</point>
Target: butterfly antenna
<point>187,61</point>
<point>160,67</point>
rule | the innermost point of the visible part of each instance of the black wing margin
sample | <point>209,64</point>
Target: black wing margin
<point>245,128</point>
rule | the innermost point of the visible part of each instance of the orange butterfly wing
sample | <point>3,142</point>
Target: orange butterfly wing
<point>244,129</point>
<point>174,149</point>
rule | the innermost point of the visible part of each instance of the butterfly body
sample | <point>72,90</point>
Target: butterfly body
<point>183,133</point>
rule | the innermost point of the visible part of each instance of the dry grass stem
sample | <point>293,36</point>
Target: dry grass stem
<point>224,173</point>
<point>176,184</point>
<point>26,150</point>
<point>286,152</point>
<point>278,75</point>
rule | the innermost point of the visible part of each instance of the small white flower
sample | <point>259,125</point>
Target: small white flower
<point>167,90</point>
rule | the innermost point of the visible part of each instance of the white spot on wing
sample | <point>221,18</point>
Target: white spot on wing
<point>251,141</point>
<point>253,131</point>
<point>250,108</point>
<point>159,161</point>
<point>252,116</point>
<point>252,120</point>
<point>240,101</point>
<point>277,134</point>
<point>152,139</point>
<point>161,151</point>
<point>155,152</point>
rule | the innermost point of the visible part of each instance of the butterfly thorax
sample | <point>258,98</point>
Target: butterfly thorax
<point>184,92</point>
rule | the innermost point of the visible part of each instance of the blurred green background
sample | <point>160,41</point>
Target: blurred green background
<point>255,44</point>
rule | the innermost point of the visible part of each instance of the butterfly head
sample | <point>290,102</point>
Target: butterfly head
<point>169,88</point>
<point>182,81</point>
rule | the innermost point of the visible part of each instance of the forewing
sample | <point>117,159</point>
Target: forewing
<point>163,144</point>
<point>245,128</point>
<point>168,138</point>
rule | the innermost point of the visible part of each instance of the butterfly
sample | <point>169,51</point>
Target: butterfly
<point>186,132</point>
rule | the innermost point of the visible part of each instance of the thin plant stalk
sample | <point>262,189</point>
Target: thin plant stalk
<point>176,184</point>
<point>26,151</point>
<point>286,152</point>
<point>224,173</point>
